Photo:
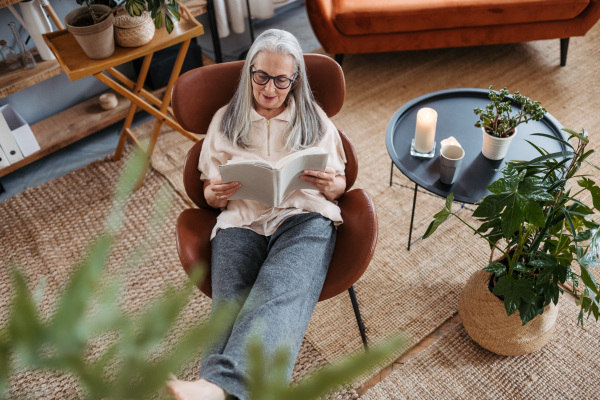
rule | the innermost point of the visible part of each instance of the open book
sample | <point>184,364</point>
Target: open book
<point>268,183</point>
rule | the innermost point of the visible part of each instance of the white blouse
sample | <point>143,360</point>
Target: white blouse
<point>268,143</point>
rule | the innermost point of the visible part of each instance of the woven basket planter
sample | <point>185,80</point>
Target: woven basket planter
<point>484,317</point>
<point>134,31</point>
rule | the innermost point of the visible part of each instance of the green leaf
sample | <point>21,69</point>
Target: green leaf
<point>519,266</point>
<point>25,327</point>
<point>551,156</point>
<point>169,23</point>
<point>514,291</point>
<point>588,279</point>
<point>565,142</point>
<point>449,201</point>
<point>439,217</point>
<point>490,206</point>
<point>512,219</point>
<point>533,212</point>
<point>496,268</point>
<point>528,311</point>
<point>531,188</point>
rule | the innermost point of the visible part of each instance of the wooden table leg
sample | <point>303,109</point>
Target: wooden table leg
<point>133,108</point>
<point>165,105</point>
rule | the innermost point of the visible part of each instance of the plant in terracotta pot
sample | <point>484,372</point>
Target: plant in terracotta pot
<point>537,220</point>
<point>92,24</point>
<point>499,120</point>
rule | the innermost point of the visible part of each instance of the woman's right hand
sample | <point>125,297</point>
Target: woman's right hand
<point>217,193</point>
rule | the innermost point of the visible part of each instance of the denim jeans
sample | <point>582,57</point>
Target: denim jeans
<point>274,283</point>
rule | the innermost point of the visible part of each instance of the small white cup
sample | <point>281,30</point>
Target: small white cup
<point>450,160</point>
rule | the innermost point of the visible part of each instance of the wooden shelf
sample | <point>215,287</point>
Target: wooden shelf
<point>22,78</point>
<point>6,3</point>
<point>71,125</point>
<point>75,123</point>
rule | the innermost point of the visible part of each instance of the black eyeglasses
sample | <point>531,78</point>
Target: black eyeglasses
<point>280,82</point>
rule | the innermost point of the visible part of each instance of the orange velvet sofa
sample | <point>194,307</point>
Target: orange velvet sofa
<point>372,26</point>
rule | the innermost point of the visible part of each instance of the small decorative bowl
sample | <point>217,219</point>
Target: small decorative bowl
<point>134,31</point>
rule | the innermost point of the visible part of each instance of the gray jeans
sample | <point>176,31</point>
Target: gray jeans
<point>274,283</point>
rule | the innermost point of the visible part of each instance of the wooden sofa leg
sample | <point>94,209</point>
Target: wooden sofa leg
<point>339,58</point>
<point>564,47</point>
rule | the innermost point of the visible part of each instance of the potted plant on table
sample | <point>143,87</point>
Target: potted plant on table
<point>92,24</point>
<point>499,120</point>
<point>536,217</point>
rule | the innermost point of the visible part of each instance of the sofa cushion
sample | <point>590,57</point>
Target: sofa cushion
<point>367,17</point>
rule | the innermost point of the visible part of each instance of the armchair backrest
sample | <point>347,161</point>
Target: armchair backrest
<point>199,93</point>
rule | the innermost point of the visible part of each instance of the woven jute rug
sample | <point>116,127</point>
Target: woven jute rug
<point>415,291</point>
<point>455,367</point>
<point>45,231</point>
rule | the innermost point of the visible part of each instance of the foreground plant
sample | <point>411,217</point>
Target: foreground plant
<point>136,365</point>
<point>541,227</point>
<point>499,119</point>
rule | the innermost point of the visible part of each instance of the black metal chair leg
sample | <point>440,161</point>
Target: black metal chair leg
<point>564,47</point>
<point>339,58</point>
<point>412,216</point>
<point>359,321</point>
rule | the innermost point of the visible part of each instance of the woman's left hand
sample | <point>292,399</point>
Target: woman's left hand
<point>327,182</point>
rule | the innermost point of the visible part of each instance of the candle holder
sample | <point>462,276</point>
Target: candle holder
<point>415,153</point>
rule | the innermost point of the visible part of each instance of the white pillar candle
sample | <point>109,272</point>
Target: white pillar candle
<point>425,130</point>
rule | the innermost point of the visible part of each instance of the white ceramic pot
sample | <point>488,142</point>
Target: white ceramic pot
<point>495,148</point>
<point>97,40</point>
<point>484,318</point>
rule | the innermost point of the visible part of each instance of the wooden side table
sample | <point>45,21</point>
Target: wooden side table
<point>77,65</point>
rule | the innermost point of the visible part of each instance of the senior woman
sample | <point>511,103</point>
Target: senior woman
<point>270,262</point>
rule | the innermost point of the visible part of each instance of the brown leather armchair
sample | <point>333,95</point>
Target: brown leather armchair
<point>197,95</point>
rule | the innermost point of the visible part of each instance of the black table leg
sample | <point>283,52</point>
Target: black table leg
<point>391,173</point>
<point>214,31</point>
<point>412,216</point>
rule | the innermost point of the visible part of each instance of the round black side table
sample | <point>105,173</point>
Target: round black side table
<point>456,118</point>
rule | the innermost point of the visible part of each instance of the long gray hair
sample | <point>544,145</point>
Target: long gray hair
<point>306,127</point>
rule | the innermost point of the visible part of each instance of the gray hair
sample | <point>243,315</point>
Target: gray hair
<point>306,126</point>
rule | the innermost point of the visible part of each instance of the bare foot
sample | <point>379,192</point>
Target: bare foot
<point>195,390</point>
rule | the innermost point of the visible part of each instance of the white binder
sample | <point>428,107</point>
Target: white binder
<point>8,142</point>
<point>21,131</point>
<point>3,160</point>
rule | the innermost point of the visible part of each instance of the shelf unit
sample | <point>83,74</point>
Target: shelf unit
<point>74,123</point>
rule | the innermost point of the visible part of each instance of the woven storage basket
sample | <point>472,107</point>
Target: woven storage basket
<point>134,31</point>
<point>484,317</point>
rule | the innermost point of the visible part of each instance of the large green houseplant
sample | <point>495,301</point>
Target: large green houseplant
<point>536,219</point>
<point>500,118</point>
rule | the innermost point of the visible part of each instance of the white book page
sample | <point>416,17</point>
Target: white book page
<point>289,175</point>
<point>257,181</point>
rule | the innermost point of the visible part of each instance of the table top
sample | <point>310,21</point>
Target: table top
<point>77,65</point>
<point>456,118</point>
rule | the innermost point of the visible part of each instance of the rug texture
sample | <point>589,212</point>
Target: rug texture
<point>455,367</point>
